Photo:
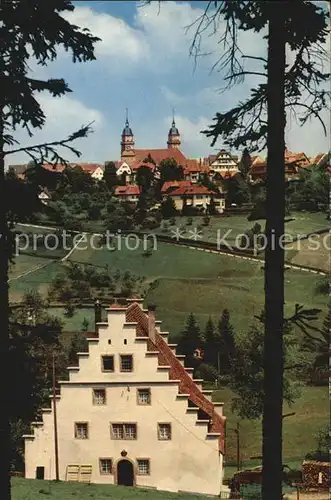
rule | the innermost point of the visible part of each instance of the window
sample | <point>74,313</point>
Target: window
<point>164,432</point>
<point>107,363</point>
<point>144,396</point>
<point>124,431</point>
<point>143,466</point>
<point>199,197</point>
<point>99,396</point>
<point>126,363</point>
<point>125,341</point>
<point>105,466</point>
<point>81,430</point>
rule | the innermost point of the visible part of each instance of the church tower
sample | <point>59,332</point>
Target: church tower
<point>127,142</point>
<point>173,136</point>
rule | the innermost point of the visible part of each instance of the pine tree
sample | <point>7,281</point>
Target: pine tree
<point>29,31</point>
<point>110,175</point>
<point>190,339</point>
<point>227,345</point>
<point>211,344</point>
<point>245,163</point>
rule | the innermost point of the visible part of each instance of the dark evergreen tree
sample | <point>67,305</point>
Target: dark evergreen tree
<point>168,208</point>
<point>211,344</point>
<point>30,31</point>
<point>189,341</point>
<point>245,163</point>
<point>110,175</point>
<point>227,344</point>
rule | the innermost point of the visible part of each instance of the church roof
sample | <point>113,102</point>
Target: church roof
<point>174,129</point>
<point>127,131</point>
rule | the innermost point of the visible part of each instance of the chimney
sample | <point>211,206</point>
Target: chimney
<point>97,313</point>
<point>151,322</point>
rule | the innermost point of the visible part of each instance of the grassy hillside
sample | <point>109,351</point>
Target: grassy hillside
<point>185,280</point>
<point>311,414</point>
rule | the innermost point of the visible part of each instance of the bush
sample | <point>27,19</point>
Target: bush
<point>165,226</point>
<point>206,221</point>
<point>207,372</point>
<point>189,221</point>
<point>150,223</point>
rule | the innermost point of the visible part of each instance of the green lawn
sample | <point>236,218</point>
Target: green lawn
<point>38,280</point>
<point>305,252</point>
<point>311,414</point>
<point>29,489</point>
<point>299,223</point>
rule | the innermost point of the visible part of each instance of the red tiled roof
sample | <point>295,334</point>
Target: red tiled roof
<point>296,157</point>
<point>192,166</point>
<point>127,191</point>
<point>54,168</point>
<point>174,184</point>
<point>160,154</point>
<point>88,167</point>
<point>139,163</point>
<point>167,357</point>
<point>190,190</point>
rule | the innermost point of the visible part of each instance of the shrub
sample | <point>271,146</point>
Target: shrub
<point>206,221</point>
<point>189,221</point>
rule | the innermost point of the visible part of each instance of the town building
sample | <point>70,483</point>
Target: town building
<point>128,193</point>
<point>294,162</point>
<point>223,163</point>
<point>131,413</point>
<point>193,195</point>
<point>95,170</point>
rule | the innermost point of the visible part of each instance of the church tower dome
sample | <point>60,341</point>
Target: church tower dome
<point>173,136</point>
<point>127,141</point>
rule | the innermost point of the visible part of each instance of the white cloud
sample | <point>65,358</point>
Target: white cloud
<point>119,41</point>
<point>155,51</point>
<point>63,116</point>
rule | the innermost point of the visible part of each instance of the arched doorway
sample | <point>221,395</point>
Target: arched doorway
<point>125,473</point>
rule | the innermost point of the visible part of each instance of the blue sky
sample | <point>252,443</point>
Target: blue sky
<point>143,64</point>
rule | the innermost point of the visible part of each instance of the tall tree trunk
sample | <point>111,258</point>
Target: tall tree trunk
<point>5,376</point>
<point>274,259</point>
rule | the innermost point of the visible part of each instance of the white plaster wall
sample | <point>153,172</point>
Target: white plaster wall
<point>189,461</point>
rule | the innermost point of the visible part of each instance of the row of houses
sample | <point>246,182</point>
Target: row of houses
<point>216,168</point>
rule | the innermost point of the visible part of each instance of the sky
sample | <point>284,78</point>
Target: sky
<point>144,64</point>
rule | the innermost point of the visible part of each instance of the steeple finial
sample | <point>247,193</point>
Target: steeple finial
<point>173,117</point>
<point>127,116</point>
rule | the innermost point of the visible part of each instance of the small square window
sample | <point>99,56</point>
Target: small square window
<point>143,466</point>
<point>126,363</point>
<point>99,396</point>
<point>164,432</point>
<point>81,430</point>
<point>117,431</point>
<point>144,396</point>
<point>105,466</point>
<point>107,363</point>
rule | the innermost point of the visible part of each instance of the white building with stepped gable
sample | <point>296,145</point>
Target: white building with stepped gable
<point>131,414</point>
